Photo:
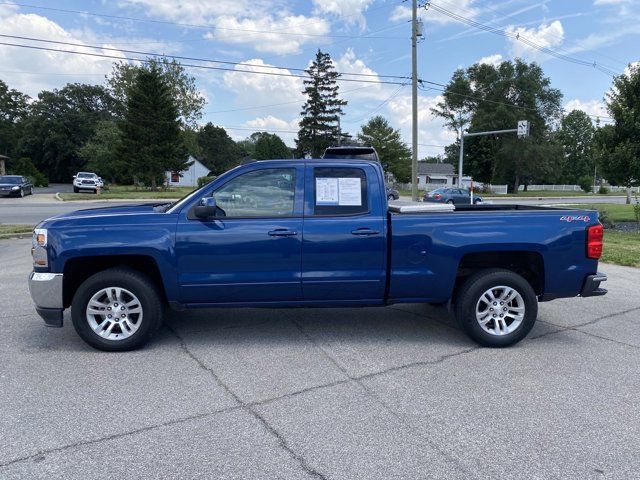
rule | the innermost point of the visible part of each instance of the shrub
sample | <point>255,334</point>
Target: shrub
<point>636,210</point>
<point>204,180</point>
<point>606,221</point>
<point>603,190</point>
<point>586,183</point>
<point>24,166</point>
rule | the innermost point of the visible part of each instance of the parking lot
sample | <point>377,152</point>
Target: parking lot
<point>395,392</point>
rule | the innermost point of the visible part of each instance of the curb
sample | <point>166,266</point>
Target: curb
<point>58,197</point>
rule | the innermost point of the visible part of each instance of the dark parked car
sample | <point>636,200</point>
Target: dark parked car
<point>392,193</point>
<point>15,186</point>
<point>457,196</point>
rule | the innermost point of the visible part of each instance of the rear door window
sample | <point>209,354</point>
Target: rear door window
<point>340,191</point>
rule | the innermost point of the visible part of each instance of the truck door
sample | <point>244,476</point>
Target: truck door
<point>344,238</point>
<point>251,252</point>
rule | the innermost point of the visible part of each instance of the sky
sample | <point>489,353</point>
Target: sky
<point>587,42</point>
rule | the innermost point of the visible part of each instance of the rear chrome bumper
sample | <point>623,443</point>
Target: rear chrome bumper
<point>591,286</point>
<point>46,292</point>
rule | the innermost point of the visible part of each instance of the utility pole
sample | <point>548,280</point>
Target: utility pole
<point>414,100</point>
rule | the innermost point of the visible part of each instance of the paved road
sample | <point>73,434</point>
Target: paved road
<point>366,393</point>
<point>31,210</point>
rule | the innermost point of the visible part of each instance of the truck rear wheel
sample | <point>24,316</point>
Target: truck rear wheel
<point>496,307</point>
<point>117,309</point>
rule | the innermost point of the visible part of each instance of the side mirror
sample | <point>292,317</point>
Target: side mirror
<point>206,209</point>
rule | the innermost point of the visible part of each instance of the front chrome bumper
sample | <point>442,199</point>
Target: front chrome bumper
<point>46,292</point>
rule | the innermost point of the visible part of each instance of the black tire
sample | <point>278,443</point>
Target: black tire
<point>390,197</point>
<point>76,189</point>
<point>468,296</point>
<point>135,282</point>
<point>21,194</point>
<point>450,202</point>
<point>477,201</point>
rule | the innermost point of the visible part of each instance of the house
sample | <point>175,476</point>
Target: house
<point>435,175</point>
<point>188,177</point>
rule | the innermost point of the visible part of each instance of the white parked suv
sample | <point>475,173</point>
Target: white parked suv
<point>87,181</point>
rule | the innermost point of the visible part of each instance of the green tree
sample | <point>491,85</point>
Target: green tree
<point>219,151</point>
<point>24,166</point>
<point>102,153</point>
<point>269,146</point>
<point>395,155</point>
<point>184,89</point>
<point>576,138</point>
<point>13,109</point>
<point>619,144</point>
<point>152,142</point>
<point>487,97</point>
<point>321,112</point>
<point>59,122</point>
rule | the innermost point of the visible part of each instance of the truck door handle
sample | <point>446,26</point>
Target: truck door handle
<point>364,232</point>
<point>282,232</point>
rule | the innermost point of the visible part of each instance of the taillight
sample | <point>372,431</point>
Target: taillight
<point>437,196</point>
<point>594,241</point>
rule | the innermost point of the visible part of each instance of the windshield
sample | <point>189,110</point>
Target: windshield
<point>11,180</point>
<point>439,190</point>
<point>86,175</point>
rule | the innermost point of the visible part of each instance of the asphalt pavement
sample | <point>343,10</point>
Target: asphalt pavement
<point>368,393</point>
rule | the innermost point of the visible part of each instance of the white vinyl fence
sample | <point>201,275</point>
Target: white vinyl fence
<point>573,188</point>
<point>477,186</point>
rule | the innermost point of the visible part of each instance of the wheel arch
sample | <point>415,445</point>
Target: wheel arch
<point>78,269</point>
<point>526,263</point>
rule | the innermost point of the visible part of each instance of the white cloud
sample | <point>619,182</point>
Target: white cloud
<point>270,34</point>
<point>350,63</point>
<point>287,130</point>
<point>45,69</point>
<point>400,13</point>
<point>494,60</point>
<point>191,11</point>
<point>264,89</point>
<point>349,11</point>
<point>431,132</point>
<point>546,35</point>
<point>590,107</point>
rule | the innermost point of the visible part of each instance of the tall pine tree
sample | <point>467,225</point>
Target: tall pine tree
<point>321,112</point>
<point>152,142</point>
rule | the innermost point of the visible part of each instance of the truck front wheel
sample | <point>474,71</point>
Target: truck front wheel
<point>496,307</point>
<point>117,309</point>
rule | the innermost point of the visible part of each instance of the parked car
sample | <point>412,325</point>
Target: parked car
<point>392,193</point>
<point>15,186</point>
<point>457,196</point>
<point>330,239</point>
<point>87,181</point>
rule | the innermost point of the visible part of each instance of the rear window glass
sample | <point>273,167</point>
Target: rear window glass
<point>340,191</point>
<point>354,153</point>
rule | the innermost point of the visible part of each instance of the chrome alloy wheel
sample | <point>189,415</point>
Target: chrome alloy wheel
<point>114,313</point>
<point>500,310</point>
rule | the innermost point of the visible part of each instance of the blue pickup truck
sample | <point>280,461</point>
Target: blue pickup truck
<point>308,233</point>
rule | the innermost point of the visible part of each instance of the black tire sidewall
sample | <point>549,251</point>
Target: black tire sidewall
<point>136,283</point>
<point>470,293</point>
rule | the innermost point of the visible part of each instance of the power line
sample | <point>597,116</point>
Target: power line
<point>205,67</point>
<point>180,57</point>
<point>518,37</point>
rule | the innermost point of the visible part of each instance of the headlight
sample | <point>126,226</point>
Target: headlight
<point>40,237</point>
<point>39,249</point>
<point>15,188</point>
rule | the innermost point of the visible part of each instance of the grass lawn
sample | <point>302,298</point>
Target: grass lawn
<point>7,231</point>
<point>621,248</point>
<point>616,212</point>
<point>129,192</point>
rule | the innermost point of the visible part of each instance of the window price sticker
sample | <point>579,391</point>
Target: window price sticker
<point>338,191</point>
